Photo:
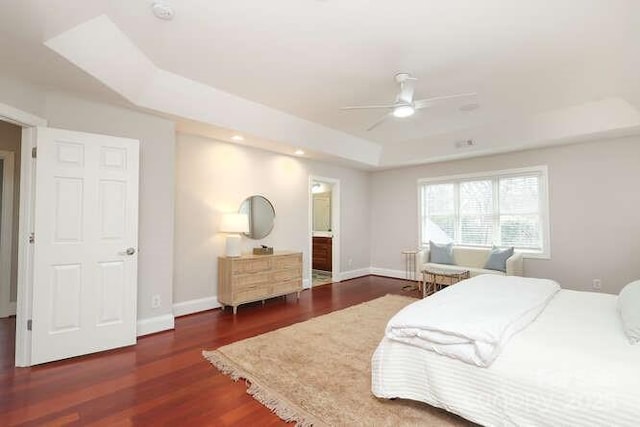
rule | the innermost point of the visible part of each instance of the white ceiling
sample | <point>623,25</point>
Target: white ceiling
<point>528,60</point>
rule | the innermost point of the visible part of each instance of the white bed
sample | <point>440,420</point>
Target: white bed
<point>572,366</point>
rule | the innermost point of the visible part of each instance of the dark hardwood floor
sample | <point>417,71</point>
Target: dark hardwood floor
<point>164,380</point>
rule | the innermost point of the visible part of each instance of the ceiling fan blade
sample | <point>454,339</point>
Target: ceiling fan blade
<point>366,107</point>
<point>424,103</point>
<point>380,120</point>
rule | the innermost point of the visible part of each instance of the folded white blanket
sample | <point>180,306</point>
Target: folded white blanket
<point>473,320</point>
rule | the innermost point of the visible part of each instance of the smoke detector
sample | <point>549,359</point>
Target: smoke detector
<point>162,10</point>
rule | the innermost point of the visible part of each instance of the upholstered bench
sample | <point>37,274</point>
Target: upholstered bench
<point>472,259</point>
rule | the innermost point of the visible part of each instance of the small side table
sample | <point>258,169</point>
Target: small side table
<point>432,278</point>
<point>410,263</point>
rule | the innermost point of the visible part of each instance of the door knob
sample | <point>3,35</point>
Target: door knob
<point>128,251</point>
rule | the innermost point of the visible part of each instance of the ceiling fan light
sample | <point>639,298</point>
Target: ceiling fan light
<point>403,111</point>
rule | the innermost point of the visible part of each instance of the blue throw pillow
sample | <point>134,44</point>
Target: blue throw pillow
<point>441,253</point>
<point>498,259</point>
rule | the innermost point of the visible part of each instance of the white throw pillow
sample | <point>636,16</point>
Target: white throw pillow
<point>629,309</point>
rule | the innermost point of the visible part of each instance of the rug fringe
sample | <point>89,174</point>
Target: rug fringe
<point>222,365</point>
<point>282,409</point>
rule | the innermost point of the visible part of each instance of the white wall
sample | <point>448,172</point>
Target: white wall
<point>214,177</point>
<point>594,203</point>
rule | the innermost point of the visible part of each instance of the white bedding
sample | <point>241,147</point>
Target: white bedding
<point>572,366</point>
<point>474,319</point>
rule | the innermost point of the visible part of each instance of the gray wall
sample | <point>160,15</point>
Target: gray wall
<point>594,202</point>
<point>23,96</point>
<point>157,162</point>
<point>590,183</point>
<point>214,177</point>
<point>10,137</point>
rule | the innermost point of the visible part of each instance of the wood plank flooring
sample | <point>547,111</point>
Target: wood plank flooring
<point>164,380</point>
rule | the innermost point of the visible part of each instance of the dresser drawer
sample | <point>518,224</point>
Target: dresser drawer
<point>285,274</point>
<point>254,265</point>
<point>251,293</point>
<point>242,280</point>
<point>286,286</point>
<point>280,262</point>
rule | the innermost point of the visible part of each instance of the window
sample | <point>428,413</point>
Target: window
<point>505,208</point>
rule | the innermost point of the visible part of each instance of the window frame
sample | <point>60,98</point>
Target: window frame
<point>494,176</point>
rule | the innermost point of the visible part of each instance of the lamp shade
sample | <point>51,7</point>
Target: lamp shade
<point>234,223</point>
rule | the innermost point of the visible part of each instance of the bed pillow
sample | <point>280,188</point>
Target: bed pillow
<point>441,253</point>
<point>498,259</point>
<point>629,309</point>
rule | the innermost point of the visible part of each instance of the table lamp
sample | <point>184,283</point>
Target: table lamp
<point>234,223</point>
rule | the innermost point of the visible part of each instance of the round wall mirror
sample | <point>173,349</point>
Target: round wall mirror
<point>261,215</point>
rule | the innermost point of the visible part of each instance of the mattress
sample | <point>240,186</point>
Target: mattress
<point>572,366</point>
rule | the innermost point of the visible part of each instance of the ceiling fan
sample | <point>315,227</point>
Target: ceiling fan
<point>405,106</point>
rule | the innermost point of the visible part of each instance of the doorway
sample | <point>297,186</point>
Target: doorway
<point>324,207</point>
<point>10,142</point>
<point>13,123</point>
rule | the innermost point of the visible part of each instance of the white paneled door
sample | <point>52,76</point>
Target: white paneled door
<point>85,244</point>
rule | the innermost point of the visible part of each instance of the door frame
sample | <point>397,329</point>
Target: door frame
<point>335,227</point>
<point>28,122</point>
<point>6,232</point>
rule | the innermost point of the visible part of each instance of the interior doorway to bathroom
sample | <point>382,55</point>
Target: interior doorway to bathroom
<point>324,229</point>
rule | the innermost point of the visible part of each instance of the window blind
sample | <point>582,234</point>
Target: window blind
<point>502,209</point>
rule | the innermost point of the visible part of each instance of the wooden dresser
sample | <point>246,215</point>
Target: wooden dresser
<point>258,277</point>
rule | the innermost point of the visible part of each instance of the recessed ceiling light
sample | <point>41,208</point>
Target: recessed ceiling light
<point>237,138</point>
<point>162,10</point>
<point>299,152</point>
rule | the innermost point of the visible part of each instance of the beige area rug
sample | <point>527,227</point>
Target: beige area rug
<point>318,372</point>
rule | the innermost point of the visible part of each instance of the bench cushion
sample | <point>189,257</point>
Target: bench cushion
<point>473,271</point>
<point>472,259</point>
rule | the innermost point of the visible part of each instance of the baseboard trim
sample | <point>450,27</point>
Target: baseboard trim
<point>155,324</point>
<point>352,274</point>
<point>195,306</point>
<point>12,308</point>
<point>387,272</point>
